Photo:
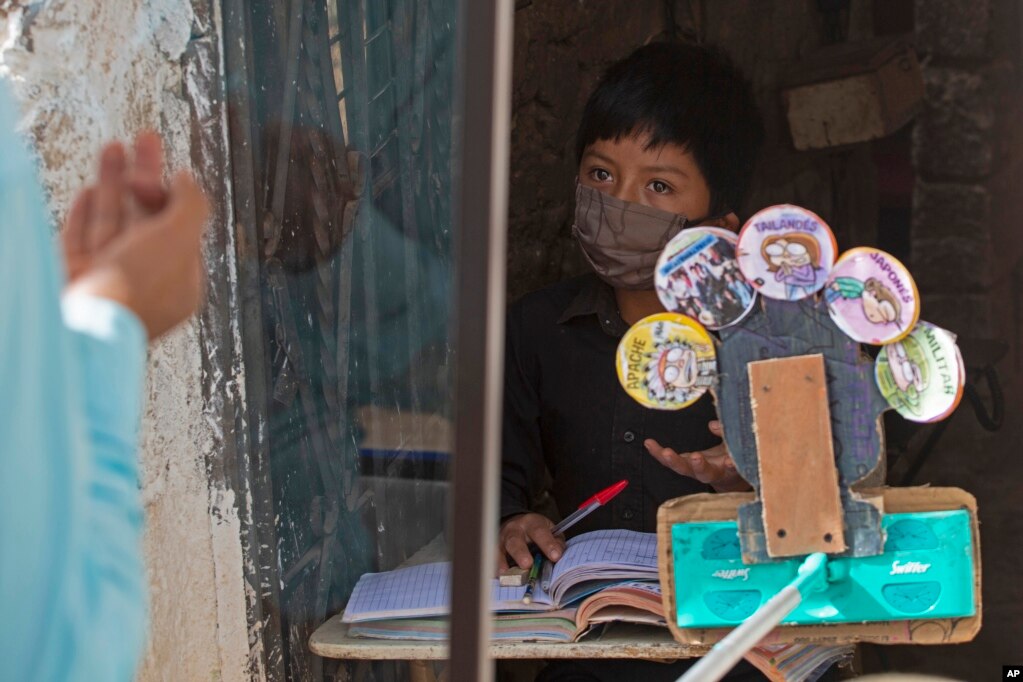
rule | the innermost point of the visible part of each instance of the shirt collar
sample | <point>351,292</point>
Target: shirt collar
<point>596,297</point>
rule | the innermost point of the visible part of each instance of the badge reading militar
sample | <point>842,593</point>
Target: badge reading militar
<point>666,361</point>
<point>872,297</point>
<point>786,252</point>
<point>697,275</point>
<point>921,376</point>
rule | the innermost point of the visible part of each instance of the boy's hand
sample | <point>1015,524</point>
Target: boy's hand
<point>519,531</point>
<point>713,466</point>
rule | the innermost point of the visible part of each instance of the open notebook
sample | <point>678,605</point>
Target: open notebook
<point>629,602</point>
<point>591,562</point>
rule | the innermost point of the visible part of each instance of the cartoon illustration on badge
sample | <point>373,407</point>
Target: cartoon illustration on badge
<point>921,375</point>
<point>674,372</point>
<point>904,374</point>
<point>872,297</point>
<point>794,259</point>
<point>880,304</point>
<point>666,361</point>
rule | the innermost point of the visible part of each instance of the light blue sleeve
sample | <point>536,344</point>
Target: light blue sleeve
<point>71,579</point>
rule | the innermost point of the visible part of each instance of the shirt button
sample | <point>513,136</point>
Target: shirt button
<point>628,514</point>
<point>629,436</point>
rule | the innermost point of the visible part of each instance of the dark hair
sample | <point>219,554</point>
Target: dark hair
<point>684,94</point>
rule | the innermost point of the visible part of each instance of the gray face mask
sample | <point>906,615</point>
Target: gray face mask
<point>620,239</point>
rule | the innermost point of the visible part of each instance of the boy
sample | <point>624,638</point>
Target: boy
<point>667,140</point>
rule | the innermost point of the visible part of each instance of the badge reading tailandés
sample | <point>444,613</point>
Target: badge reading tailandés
<point>786,252</point>
<point>872,297</point>
<point>921,375</point>
<point>666,361</point>
<point>697,275</point>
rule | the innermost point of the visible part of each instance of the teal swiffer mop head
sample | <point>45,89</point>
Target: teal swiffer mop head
<point>925,571</point>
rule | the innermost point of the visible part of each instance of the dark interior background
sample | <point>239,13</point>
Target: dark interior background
<point>942,193</point>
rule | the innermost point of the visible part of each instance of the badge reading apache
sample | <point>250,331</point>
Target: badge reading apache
<point>666,361</point>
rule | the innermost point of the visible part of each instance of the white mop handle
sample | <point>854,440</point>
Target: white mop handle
<point>726,653</point>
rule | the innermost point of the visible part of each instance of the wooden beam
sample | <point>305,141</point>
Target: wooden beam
<point>798,477</point>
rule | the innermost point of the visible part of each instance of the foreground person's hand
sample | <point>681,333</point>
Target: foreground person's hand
<point>152,264</point>
<point>125,191</point>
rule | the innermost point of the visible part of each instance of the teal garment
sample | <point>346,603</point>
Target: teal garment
<point>848,287</point>
<point>72,589</point>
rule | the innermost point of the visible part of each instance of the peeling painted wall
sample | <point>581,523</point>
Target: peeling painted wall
<point>87,71</point>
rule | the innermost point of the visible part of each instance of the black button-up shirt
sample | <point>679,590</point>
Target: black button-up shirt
<point>564,409</point>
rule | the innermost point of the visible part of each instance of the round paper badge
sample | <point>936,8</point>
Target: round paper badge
<point>962,385</point>
<point>666,361</point>
<point>786,252</point>
<point>920,374</point>
<point>872,297</point>
<point>697,275</point>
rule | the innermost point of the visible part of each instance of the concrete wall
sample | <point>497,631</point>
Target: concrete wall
<point>87,71</point>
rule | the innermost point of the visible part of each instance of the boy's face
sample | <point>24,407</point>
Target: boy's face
<point>666,178</point>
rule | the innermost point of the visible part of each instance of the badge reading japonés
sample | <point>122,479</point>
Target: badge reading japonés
<point>786,252</point>
<point>697,276</point>
<point>921,376</point>
<point>872,297</point>
<point>666,361</point>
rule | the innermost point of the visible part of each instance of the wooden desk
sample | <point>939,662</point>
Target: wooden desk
<point>331,640</point>
<point>623,640</point>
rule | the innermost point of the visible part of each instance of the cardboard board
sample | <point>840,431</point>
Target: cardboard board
<point>802,511</point>
<point>785,329</point>
<point>724,507</point>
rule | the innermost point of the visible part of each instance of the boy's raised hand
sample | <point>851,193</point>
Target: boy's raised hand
<point>519,531</point>
<point>713,466</point>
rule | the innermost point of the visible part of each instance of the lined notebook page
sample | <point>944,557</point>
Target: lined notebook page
<point>424,591</point>
<point>603,549</point>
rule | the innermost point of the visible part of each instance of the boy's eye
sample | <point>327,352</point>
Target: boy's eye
<point>659,187</point>
<point>600,175</point>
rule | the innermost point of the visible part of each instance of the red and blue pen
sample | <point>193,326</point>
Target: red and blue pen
<point>589,506</point>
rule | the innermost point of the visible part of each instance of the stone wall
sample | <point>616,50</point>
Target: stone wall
<point>88,71</point>
<point>966,255</point>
